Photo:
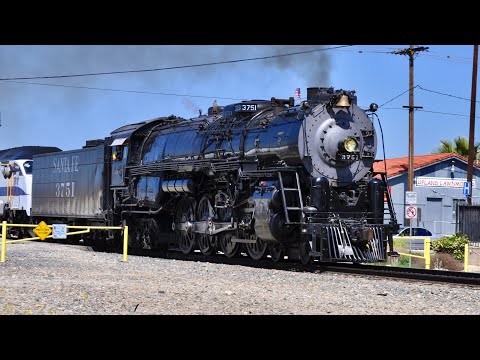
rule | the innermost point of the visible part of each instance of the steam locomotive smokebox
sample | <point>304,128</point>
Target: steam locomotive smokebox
<point>320,193</point>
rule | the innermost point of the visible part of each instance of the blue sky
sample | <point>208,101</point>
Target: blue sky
<point>66,117</point>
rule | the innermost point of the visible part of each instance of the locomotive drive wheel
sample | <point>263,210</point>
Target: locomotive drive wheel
<point>206,243</point>
<point>229,248</point>
<point>185,214</point>
<point>256,250</point>
<point>149,234</point>
<point>276,252</point>
<point>305,258</point>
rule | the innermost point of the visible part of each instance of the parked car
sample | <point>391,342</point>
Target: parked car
<point>417,231</point>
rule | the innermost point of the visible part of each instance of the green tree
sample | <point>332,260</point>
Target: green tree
<point>459,146</point>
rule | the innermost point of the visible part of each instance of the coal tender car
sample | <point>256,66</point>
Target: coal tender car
<point>263,177</point>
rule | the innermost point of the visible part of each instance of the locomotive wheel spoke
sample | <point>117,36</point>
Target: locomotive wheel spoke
<point>306,258</point>
<point>206,243</point>
<point>228,247</point>
<point>185,238</point>
<point>256,250</point>
<point>276,252</point>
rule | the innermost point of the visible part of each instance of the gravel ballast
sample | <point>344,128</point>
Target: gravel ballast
<point>47,278</point>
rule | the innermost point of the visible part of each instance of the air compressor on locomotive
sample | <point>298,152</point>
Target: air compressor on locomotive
<point>264,176</point>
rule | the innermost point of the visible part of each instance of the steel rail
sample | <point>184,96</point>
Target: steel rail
<point>445,276</point>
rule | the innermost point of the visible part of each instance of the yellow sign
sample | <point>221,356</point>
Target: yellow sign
<point>42,230</point>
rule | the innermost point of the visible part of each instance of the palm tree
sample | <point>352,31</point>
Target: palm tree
<point>459,146</point>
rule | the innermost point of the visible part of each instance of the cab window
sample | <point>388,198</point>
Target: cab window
<point>117,154</point>
<point>28,167</point>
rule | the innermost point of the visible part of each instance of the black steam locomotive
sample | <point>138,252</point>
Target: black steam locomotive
<point>264,176</point>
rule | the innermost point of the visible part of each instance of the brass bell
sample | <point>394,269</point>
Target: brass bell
<point>343,102</point>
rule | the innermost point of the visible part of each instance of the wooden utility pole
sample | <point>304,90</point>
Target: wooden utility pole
<point>471,138</point>
<point>411,51</point>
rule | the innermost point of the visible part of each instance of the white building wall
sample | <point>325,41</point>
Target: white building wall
<point>436,205</point>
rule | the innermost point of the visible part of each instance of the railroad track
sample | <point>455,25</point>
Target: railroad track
<point>452,277</point>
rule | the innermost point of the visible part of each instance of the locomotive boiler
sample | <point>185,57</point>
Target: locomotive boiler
<point>267,177</point>
<point>277,178</point>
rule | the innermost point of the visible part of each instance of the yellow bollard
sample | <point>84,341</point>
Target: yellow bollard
<point>4,241</point>
<point>466,258</point>
<point>426,251</point>
<point>125,243</point>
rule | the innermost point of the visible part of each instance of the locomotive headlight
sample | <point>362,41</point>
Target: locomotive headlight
<point>350,144</point>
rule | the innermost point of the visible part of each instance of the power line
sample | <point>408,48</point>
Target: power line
<point>439,56</point>
<point>229,98</point>
<point>440,93</point>
<point>388,50</point>
<point>434,112</point>
<point>443,113</point>
<point>396,97</point>
<point>158,93</point>
<point>173,67</point>
<point>428,90</point>
<point>376,50</point>
<point>123,90</point>
<point>446,57</point>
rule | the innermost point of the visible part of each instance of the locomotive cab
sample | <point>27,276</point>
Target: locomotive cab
<point>119,153</point>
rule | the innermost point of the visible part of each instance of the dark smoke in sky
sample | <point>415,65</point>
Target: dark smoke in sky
<point>22,104</point>
<point>51,60</point>
<point>191,106</point>
<point>312,67</point>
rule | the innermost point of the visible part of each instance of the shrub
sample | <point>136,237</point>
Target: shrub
<point>453,244</point>
<point>444,261</point>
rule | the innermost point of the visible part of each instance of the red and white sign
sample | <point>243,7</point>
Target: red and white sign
<point>411,212</point>
<point>385,194</point>
<point>440,182</point>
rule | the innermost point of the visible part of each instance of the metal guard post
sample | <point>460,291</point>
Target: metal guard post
<point>4,241</point>
<point>85,229</point>
<point>426,252</point>
<point>466,258</point>
<point>125,243</point>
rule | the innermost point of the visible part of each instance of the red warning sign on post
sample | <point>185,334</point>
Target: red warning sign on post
<point>411,212</point>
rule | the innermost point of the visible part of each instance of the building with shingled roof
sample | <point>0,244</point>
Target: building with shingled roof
<point>438,182</point>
